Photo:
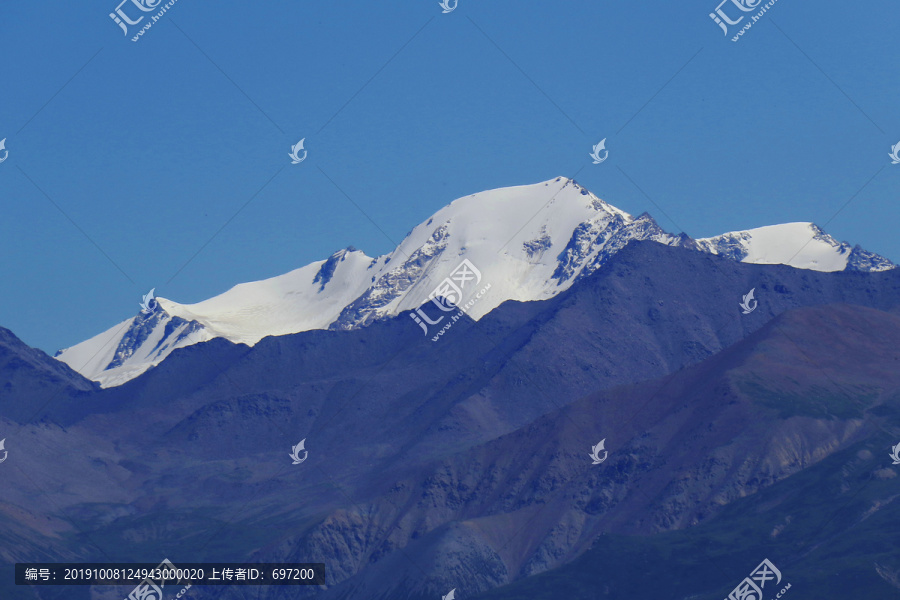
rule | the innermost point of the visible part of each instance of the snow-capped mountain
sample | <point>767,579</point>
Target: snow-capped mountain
<point>307,298</point>
<point>800,245</point>
<point>526,242</point>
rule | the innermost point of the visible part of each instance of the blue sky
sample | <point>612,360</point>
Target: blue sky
<point>164,162</point>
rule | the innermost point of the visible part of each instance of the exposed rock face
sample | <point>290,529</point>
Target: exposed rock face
<point>528,243</point>
<point>465,464</point>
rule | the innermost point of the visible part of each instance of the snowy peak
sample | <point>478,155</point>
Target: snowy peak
<point>126,350</point>
<point>307,298</point>
<point>863,260</point>
<point>326,271</point>
<point>800,245</point>
<point>525,243</point>
<point>529,242</point>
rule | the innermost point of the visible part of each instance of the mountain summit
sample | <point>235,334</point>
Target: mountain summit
<point>527,242</point>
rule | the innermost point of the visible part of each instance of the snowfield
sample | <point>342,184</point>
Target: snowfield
<point>528,242</point>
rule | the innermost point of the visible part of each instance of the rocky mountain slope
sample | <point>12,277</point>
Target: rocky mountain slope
<point>470,455</point>
<point>522,243</point>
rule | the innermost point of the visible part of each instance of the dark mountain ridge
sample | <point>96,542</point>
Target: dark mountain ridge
<point>31,379</point>
<point>445,450</point>
<point>682,450</point>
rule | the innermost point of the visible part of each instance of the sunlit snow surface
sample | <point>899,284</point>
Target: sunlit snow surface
<point>528,242</point>
<point>800,245</point>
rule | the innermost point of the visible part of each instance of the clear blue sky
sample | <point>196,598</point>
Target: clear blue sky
<point>149,148</point>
